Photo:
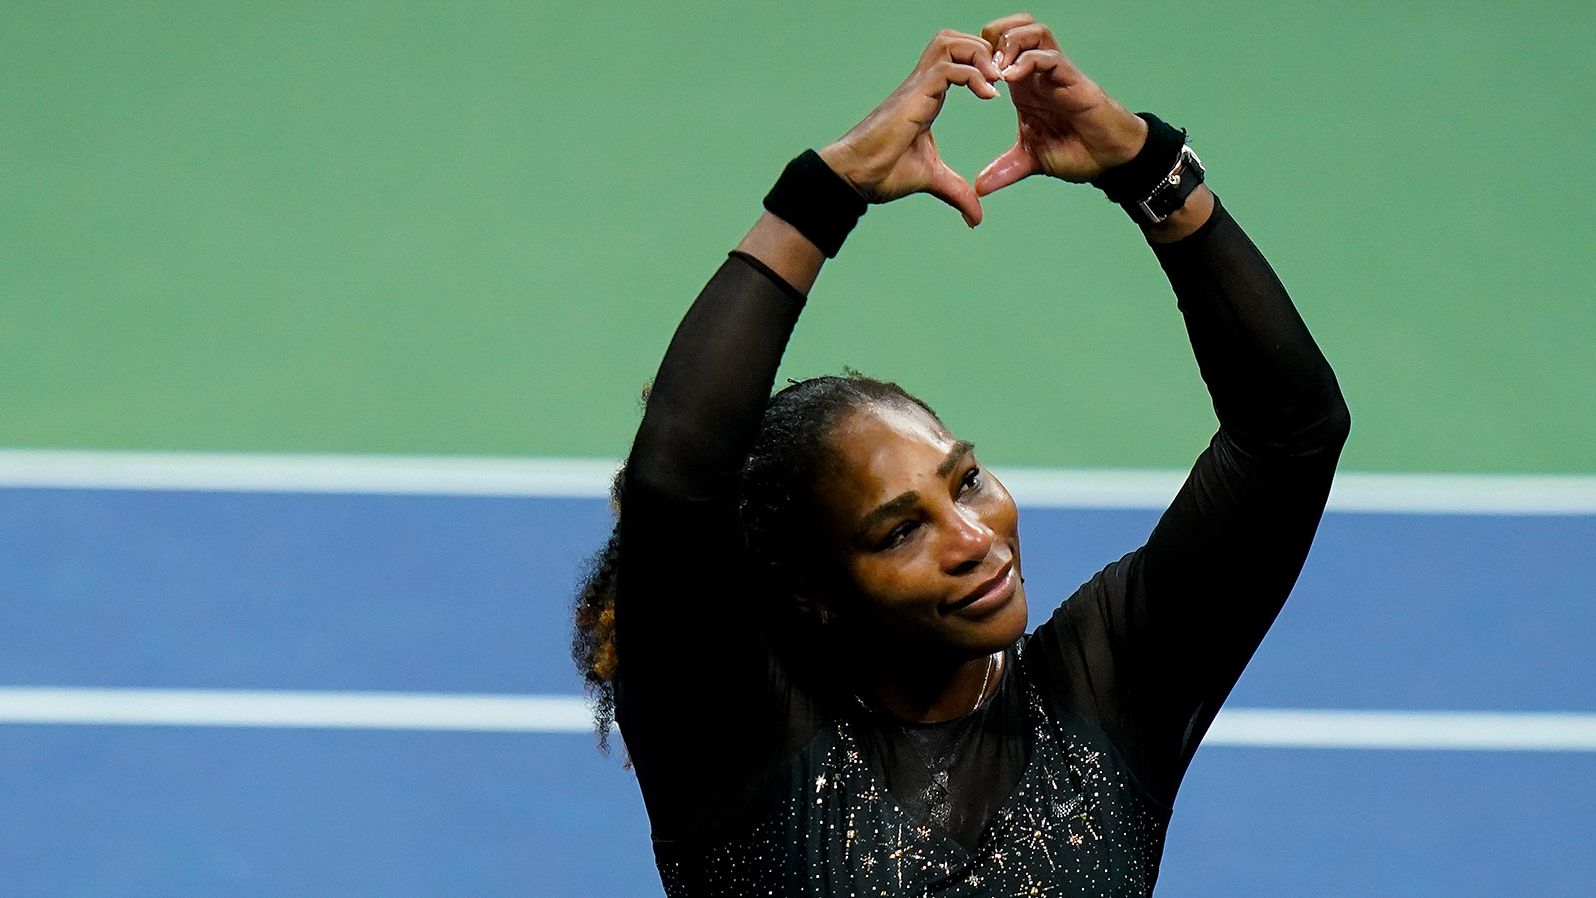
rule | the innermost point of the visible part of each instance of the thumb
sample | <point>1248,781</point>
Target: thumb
<point>1015,164</point>
<point>947,186</point>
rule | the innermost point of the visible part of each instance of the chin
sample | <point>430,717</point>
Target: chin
<point>1004,626</point>
<point>1013,617</point>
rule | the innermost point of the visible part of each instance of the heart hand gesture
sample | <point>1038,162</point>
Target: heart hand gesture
<point>1068,127</point>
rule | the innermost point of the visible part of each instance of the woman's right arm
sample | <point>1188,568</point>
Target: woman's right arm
<point>687,652</point>
<point>693,670</point>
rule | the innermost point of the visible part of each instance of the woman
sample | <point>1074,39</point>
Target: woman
<point>810,619</point>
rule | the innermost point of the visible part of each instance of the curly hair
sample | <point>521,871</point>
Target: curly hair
<point>777,507</point>
<point>593,636</point>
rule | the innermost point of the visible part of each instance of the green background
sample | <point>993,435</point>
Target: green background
<point>470,227</point>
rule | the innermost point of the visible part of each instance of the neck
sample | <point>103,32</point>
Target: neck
<point>928,693</point>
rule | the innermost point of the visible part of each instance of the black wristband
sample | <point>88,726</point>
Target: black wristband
<point>1134,180</point>
<point>817,201</point>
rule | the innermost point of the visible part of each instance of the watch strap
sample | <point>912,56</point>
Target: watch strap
<point>1151,186</point>
<point>1171,193</point>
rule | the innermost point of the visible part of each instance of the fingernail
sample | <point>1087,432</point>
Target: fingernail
<point>997,59</point>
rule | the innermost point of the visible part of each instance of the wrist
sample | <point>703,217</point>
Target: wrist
<point>840,158</point>
<point>1156,153</point>
<point>818,202</point>
<point>1126,145</point>
<point>1159,188</point>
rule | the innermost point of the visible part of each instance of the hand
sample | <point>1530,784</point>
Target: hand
<point>891,153</point>
<point>1069,128</point>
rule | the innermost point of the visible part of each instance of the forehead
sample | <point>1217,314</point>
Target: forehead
<point>882,450</point>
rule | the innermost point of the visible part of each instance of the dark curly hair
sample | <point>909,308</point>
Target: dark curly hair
<point>777,507</point>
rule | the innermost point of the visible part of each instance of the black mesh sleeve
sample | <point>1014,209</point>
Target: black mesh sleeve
<point>701,704</point>
<point>1151,645</point>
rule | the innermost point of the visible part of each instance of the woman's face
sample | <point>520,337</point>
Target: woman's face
<point>928,541</point>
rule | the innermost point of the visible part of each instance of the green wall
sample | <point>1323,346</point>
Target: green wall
<point>470,227</point>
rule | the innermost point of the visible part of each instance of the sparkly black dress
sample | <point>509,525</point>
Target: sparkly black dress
<point>1062,783</point>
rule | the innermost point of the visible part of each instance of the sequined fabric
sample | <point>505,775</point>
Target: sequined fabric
<point>1076,825</point>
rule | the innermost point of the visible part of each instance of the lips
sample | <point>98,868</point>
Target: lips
<point>991,593</point>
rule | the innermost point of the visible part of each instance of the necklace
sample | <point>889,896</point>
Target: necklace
<point>986,680</point>
<point>937,747</point>
<point>991,662</point>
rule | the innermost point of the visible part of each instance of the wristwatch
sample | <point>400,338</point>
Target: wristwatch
<point>1171,193</point>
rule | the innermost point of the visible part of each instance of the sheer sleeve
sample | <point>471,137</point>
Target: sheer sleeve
<point>1152,644</point>
<point>697,691</point>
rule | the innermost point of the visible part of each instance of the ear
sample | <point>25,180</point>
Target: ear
<point>811,604</point>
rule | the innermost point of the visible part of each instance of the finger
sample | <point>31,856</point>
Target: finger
<point>947,186</point>
<point>961,47</point>
<point>971,50</point>
<point>1049,62</point>
<point>1015,41</point>
<point>993,31</point>
<point>946,73</point>
<point>1015,164</point>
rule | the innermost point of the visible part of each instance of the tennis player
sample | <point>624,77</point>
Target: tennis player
<point>810,623</point>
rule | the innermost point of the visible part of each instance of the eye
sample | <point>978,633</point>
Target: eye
<point>898,535</point>
<point>970,481</point>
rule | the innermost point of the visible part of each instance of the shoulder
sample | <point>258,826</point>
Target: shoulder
<point>1089,613</point>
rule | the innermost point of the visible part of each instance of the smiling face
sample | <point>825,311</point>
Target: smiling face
<point>927,541</point>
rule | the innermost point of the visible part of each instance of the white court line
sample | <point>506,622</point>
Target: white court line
<point>1504,494</point>
<point>1410,730</point>
<point>1240,727</point>
<point>240,472</point>
<point>314,710</point>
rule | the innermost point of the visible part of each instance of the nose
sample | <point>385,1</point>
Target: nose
<point>969,540</point>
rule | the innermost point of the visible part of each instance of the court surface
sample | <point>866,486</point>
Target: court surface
<point>431,230</point>
<point>365,593</point>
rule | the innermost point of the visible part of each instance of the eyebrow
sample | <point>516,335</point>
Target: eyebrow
<point>954,456</point>
<point>898,505</point>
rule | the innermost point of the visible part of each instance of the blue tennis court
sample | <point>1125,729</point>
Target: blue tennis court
<point>467,595</point>
<point>395,232</point>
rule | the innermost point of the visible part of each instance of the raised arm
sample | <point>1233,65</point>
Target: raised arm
<point>688,654</point>
<point>1151,645</point>
<point>1188,610</point>
<point>691,659</point>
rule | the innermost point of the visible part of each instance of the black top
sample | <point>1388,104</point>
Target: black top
<point>1066,776</point>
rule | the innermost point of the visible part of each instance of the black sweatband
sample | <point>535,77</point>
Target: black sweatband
<point>817,201</point>
<point>1133,181</point>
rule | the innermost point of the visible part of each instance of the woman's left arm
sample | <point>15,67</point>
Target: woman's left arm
<point>1170,627</point>
<point>1200,595</point>
<point>1153,643</point>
